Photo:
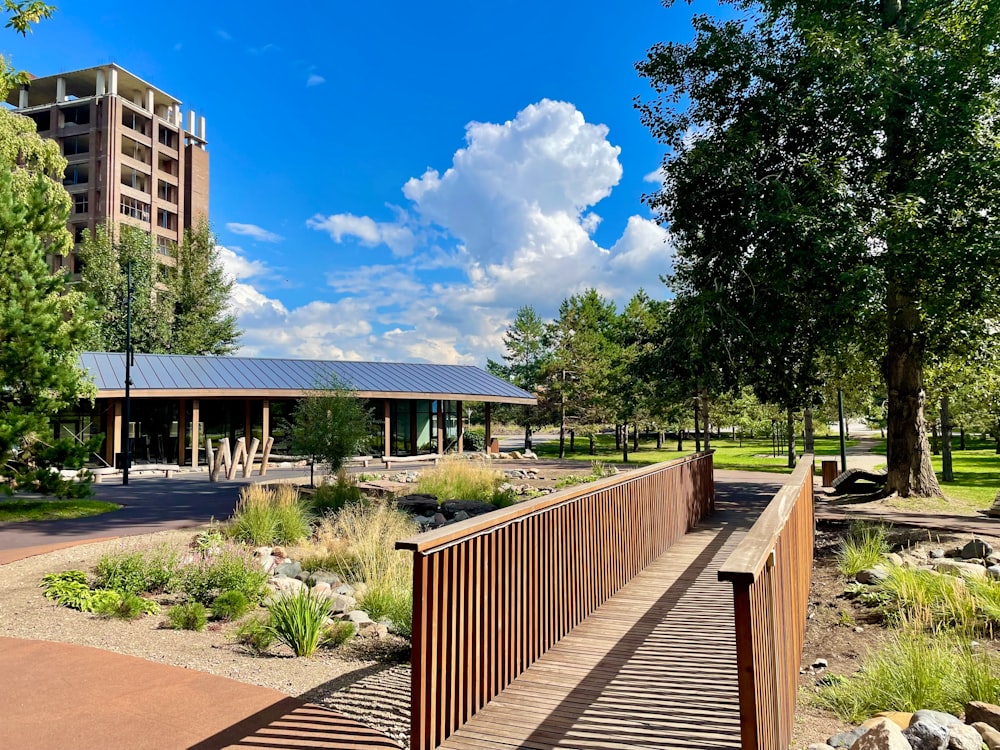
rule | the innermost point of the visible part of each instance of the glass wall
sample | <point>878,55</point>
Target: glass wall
<point>154,430</point>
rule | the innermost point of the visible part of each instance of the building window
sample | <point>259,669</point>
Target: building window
<point>167,137</point>
<point>43,120</point>
<point>134,179</point>
<point>80,203</point>
<point>165,246</point>
<point>75,174</point>
<point>76,144</point>
<point>166,219</point>
<point>135,150</point>
<point>166,192</point>
<point>134,208</point>
<point>79,232</point>
<point>136,122</point>
<point>76,115</point>
<point>168,165</point>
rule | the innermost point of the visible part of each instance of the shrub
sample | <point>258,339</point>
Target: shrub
<point>864,547</point>
<point>68,589</point>
<point>394,604</point>
<point>209,540</point>
<point>912,672</point>
<point>189,616</point>
<point>360,543</point>
<point>138,572</point>
<point>338,633</point>
<point>460,479</point>
<point>475,439</point>
<point>109,603</point>
<point>270,515</point>
<point>233,569</point>
<point>297,621</point>
<point>230,605</point>
<point>571,480</point>
<point>255,635</point>
<point>331,497</point>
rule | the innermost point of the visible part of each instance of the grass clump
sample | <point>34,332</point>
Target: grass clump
<point>270,515</point>
<point>230,605</point>
<point>394,604</point>
<point>331,497</point>
<point>915,671</point>
<point>865,546</point>
<point>16,511</point>
<point>138,572</point>
<point>461,479</point>
<point>111,604</point>
<point>297,620</point>
<point>232,569</point>
<point>255,635</point>
<point>188,616</point>
<point>338,633</point>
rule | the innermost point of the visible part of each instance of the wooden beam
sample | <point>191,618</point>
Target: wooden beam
<point>440,427</point>
<point>461,428</point>
<point>195,418</point>
<point>387,428</point>
<point>181,430</point>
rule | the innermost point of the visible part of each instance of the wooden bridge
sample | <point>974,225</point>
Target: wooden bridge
<point>635,612</point>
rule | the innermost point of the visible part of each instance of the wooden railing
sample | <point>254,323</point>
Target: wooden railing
<point>770,571</point>
<point>493,593</point>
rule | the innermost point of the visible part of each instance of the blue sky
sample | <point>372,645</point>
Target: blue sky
<point>390,181</point>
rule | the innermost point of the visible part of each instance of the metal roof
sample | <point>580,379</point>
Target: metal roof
<point>189,376</point>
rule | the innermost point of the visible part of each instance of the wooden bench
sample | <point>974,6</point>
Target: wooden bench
<point>390,460</point>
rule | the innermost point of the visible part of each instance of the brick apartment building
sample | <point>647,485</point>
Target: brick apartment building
<point>131,160</point>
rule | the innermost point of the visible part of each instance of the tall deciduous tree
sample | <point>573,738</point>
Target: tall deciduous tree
<point>525,353</point>
<point>330,426</point>
<point>899,171</point>
<point>202,322</point>
<point>42,320</point>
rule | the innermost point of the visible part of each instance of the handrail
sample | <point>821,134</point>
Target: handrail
<point>470,527</point>
<point>492,594</point>
<point>771,571</point>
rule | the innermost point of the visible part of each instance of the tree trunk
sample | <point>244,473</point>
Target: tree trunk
<point>527,430</point>
<point>809,438</point>
<point>961,438</point>
<point>625,443</point>
<point>947,474</point>
<point>659,439</point>
<point>590,437</point>
<point>790,425</point>
<point>680,440</point>
<point>572,441</point>
<point>908,453</point>
<point>704,411</point>
<point>697,427</point>
<point>618,437</point>
<point>635,437</point>
<point>935,440</point>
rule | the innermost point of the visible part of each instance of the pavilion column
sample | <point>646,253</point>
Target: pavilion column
<point>489,434</point>
<point>440,427</point>
<point>265,422</point>
<point>461,428</point>
<point>113,442</point>
<point>181,431</point>
<point>248,424</point>
<point>195,419</point>
<point>387,428</point>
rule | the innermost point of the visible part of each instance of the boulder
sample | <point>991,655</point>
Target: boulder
<point>846,739</point>
<point>901,719</point>
<point>372,630</point>
<point>321,590</point>
<point>279,552</point>
<point>418,504</point>
<point>359,618</point>
<point>885,735</point>
<point>343,589</point>
<point>291,568</point>
<point>926,735</point>
<point>285,586</point>
<point>340,603</point>
<point>819,746</point>
<point>963,569</point>
<point>439,519</point>
<point>529,454</point>
<point>940,718</point>
<point>472,507</point>
<point>321,576</point>
<point>981,712</point>
<point>871,576</point>
<point>977,548</point>
<point>895,558</point>
<point>936,554</point>
<point>964,737</point>
<point>991,736</point>
<point>262,551</point>
<point>993,571</point>
<point>461,516</point>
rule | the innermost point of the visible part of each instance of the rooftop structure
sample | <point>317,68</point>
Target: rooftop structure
<point>131,159</point>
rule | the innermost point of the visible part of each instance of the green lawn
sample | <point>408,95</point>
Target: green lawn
<point>753,455</point>
<point>12,511</point>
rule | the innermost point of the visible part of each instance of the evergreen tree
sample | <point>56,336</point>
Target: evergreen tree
<point>202,323</point>
<point>525,355</point>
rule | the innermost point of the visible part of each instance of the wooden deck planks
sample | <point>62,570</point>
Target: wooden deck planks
<point>654,667</point>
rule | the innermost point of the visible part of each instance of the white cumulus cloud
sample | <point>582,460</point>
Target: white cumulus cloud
<point>365,230</point>
<point>252,230</point>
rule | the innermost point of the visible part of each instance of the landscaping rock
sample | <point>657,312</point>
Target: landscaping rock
<point>963,569</point>
<point>977,548</point>
<point>964,737</point>
<point>871,576</point>
<point>358,617</point>
<point>321,590</point>
<point>926,735</point>
<point>901,719</point>
<point>330,579</point>
<point>991,737</point>
<point>883,736</point>
<point>285,586</point>
<point>936,554</point>
<point>461,516</point>
<point>895,558</point>
<point>262,551</point>
<point>472,507</point>
<point>268,563</point>
<point>981,712</point>
<point>418,504</point>
<point>344,589</point>
<point>820,664</point>
<point>941,718</point>
<point>439,519</point>
<point>993,571</point>
<point>340,603</point>
<point>372,630</point>
<point>819,746</point>
<point>845,739</point>
<point>279,552</point>
<point>290,569</point>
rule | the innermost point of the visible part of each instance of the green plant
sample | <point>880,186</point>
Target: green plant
<point>913,671</point>
<point>230,605</point>
<point>138,572</point>
<point>298,620</point>
<point>255,634</point>
<point>338,633</point>
<point>475,439</point>
<point>232,569</point>
<point>209,539</point>
<point>187,616</point>
<point>108,603</point>
<point>68,589</point>
<point>330,497</point>
<point>270,515</point>
<point>460,479</point>
<point>865,546</point>
<point>394,604</point>
<point>571,480</point>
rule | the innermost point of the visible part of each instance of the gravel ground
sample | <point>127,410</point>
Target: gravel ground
<point>26,613</point>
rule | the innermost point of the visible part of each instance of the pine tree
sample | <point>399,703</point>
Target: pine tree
<point>202,323</point>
